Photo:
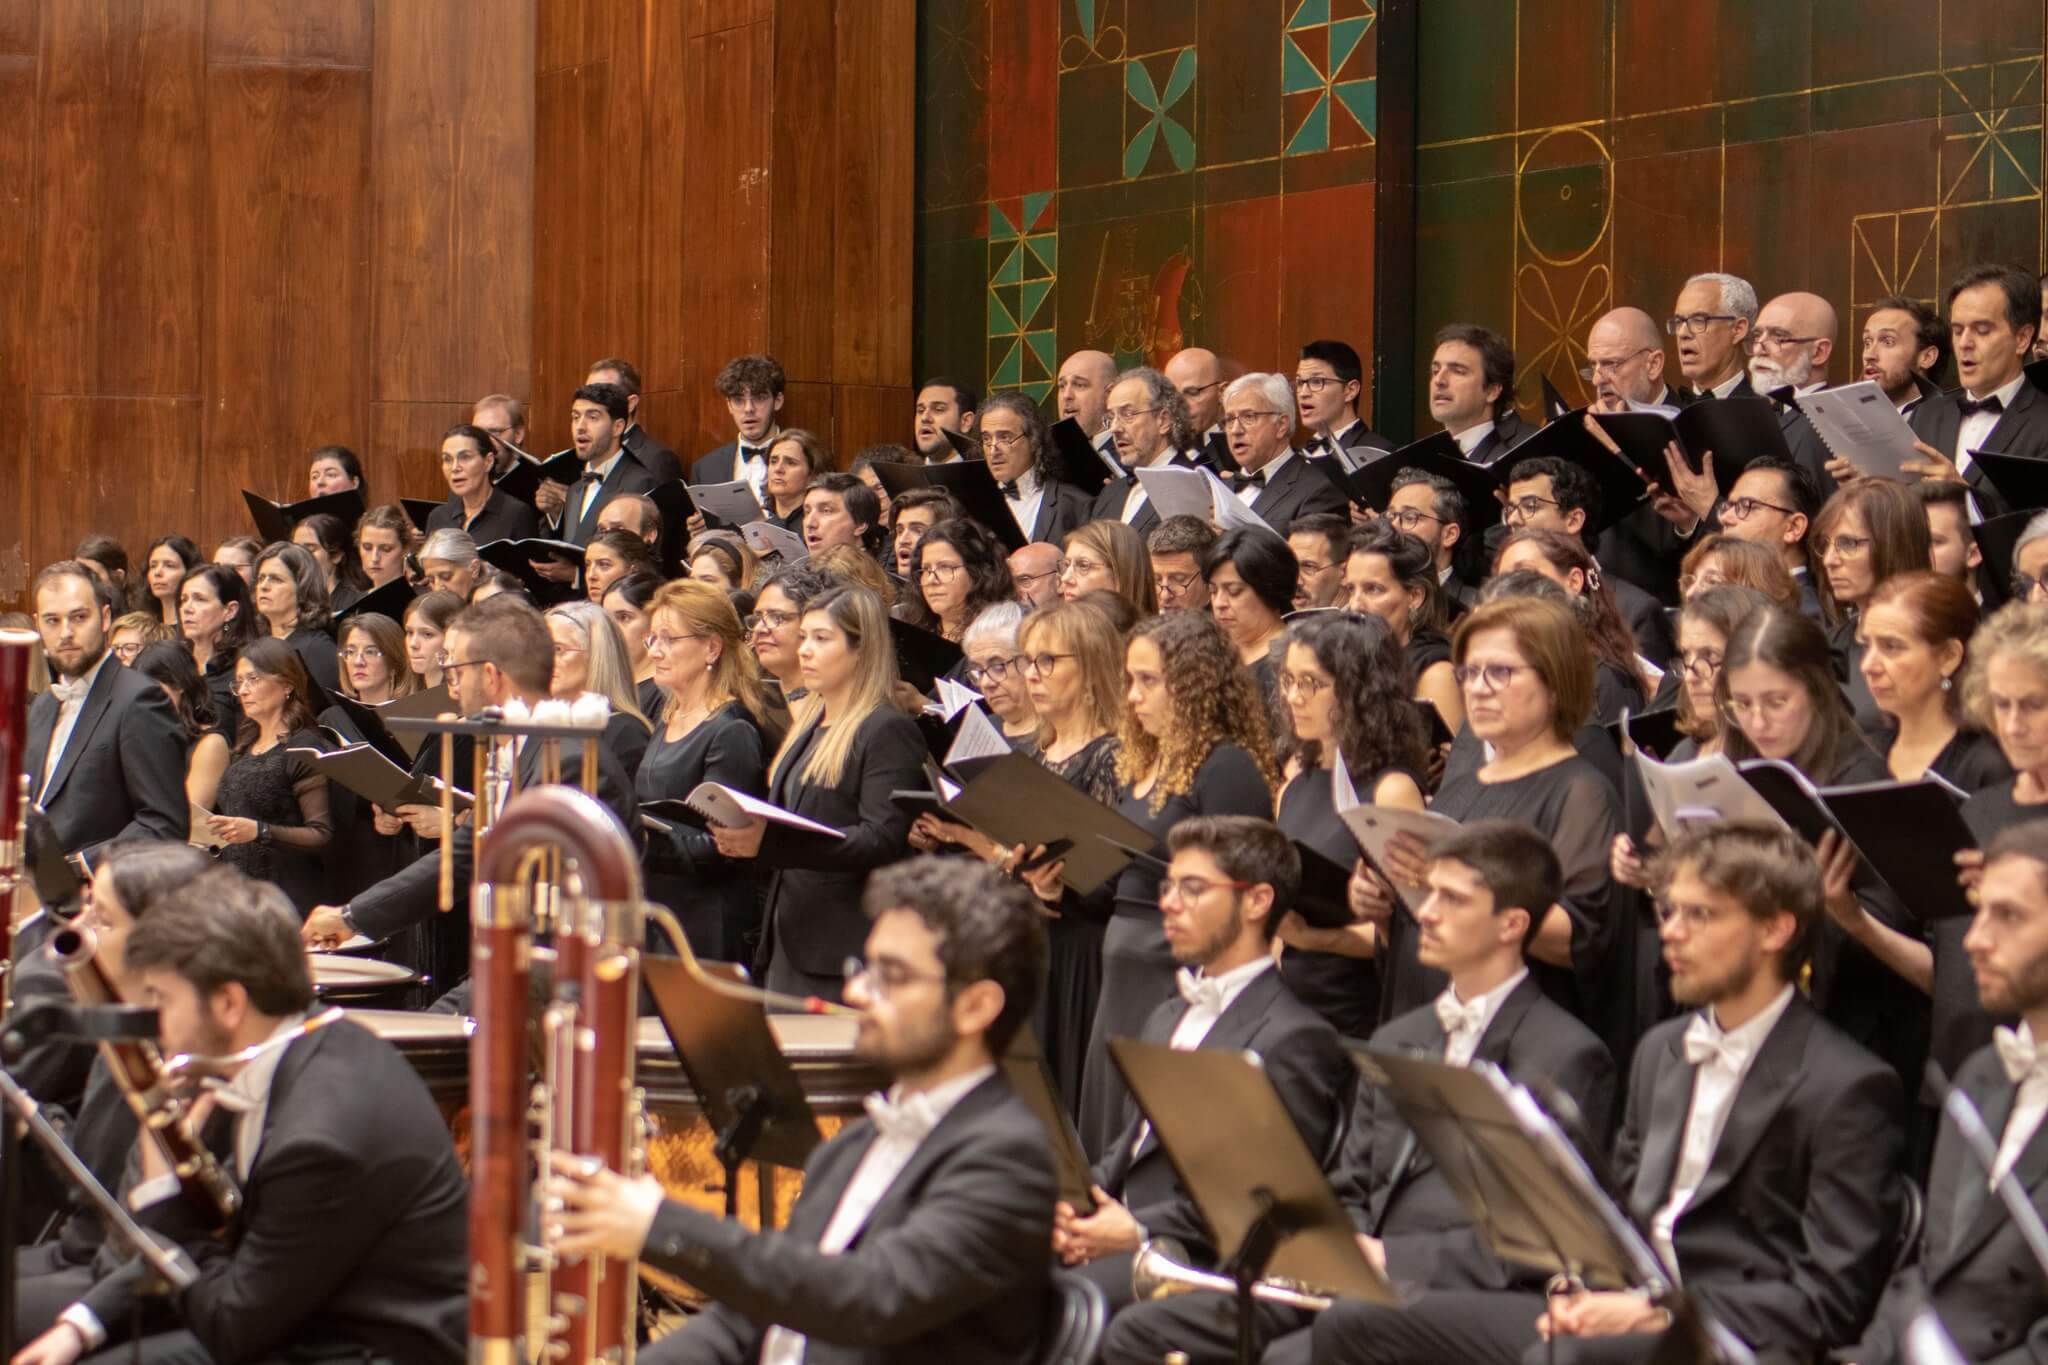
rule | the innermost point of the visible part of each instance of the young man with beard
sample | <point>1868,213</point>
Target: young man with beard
<point>1905,345</point>
<point>1974,1269</point>
<point>1760,1150</point>
<point>920,1234</point>
<point>1230,879</point>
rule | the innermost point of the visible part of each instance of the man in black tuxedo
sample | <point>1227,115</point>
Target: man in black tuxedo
<point>1177,548</point>
<point>1489,883</point>
<point>1022,462</point>
<point>1549,494</point>
<point>1270,475</point>
<point>1230,879</point>
<point>1994,314</point>
<point>1149,427</point>
<point>1760,1150</point>
<point>1773,504</point>
<point>1472,391</point>
<point>751,386</point>
<point>1198,373</point>
<point>597,423</point>
<point>942,405</point>
<point>105,754</point>
<point>1082,389</point>
<point>351,1242</point>
<point>1435,511</point>
<point>1328,379</point>
<point>920,1234</point>
<point>1789,352</point>
<point>1625,364</point>
<point>500,655</point>
<point>656,457</point>
<point>1974,1269</point>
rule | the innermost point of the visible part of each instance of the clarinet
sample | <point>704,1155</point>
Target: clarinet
<point>162,1113</point>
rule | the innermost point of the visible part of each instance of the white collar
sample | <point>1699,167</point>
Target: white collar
<point>87,679</point>
<point>1726,386</point>
<point>1468,440</point>
<point>1491,1001</point>
<point>1027,486</point>
<point>1233,982</point>
<point>1749,1037</point>
<point>1163,458</point>
<point>1271,467</point>
<point>603,471</point>
<point>2003,393</point>
<point>943,1096</point>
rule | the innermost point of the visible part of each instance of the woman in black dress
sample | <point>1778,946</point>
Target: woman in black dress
<point>291,599</point>
<point>1392,575</point>
<point>216,618</point>
<point>207,745</point>
<point>1194,741</point>
<point>1868,531</point>
<point>630,604</point>
<point>164,567</point>
<point>590,656</point>
<point>709,730</point>
<point>775,625</point>
<point>1914,636</point>
<point>1527,678</point>
<point>383,535</point>
<point>426,631</point>
<point>270,811</point>
<point>1345,690</point>
<point>1619,680</point>
<point>957,570</point>
<point>794,460</point>
<point>848,748</point>
<point>326,538</point>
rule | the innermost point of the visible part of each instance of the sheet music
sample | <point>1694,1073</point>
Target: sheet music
<point>1858,423</point>
<point>1700,789</point>
<point>1229,509</point>
<point>733,502</point>
<point>765,538</point>
<point>1375,827</point>
<point>978,738</point>
<point>722,805</point>
<point>954,697</point>
<point>1178,492</point>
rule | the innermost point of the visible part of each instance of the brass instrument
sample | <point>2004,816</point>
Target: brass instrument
<point>161,1111</point>
<point>17,652</point>
<point>1158,1271</point>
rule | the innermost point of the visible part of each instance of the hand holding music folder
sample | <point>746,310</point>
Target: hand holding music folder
<point>733,503</point>
<point>972,486</point>
<point>714,803</point>
<point>526,474</point>
<point>1244,1164</point>
<point>1018,800</point>
<point>1735,430</point>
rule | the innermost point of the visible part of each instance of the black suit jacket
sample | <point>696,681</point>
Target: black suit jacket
<point>814,883</point>
<point>2022,430</point>
<point>1788,1238</point>
<point>1647,620</point>
<point>1391,1187</point>
<point>1063,508</point>
<point>1302,1058</point>
<point>627,476</point>
<point>1109,503</point>
<point>1508,432</point>
<point>656,457</point>
<point>503,517</point>
<point>951,1267</point>
<point>411,895</point>
<point>122,773</point>
<point>1978,1277</point>
<point>1296,489</point>
<point>353,1232</point>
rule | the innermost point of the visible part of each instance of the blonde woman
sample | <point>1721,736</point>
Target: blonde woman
<point>590,656</point>
<point>848,748</point>
<point>710,730</point>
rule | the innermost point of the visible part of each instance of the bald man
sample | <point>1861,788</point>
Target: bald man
<point>1198,374</point>
<point>1625,352</point>
<point>1794,342</point>
<point>1035,569</point>
<point>1083,387</point>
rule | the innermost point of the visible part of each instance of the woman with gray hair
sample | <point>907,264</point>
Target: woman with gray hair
<point>994,668</point>
<point>448,561</point>
<point>1019,453</point>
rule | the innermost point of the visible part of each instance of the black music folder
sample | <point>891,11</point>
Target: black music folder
<point>1907,833</point>
<point>524,478</point>
<point>922,656</point>
<point>1017,800</point>
<point>1372,483</point>
<point>971,485</point>
<point>1736,430</point>
<point>2022,479</point>
<point>390,600</point>
<point>417,510</point>
<point>371,774</point>
<point>1656,732</point>
<point>1621,484</point>
<point>1025,1071</point>
<point>1076,460</point>
<point>274,520</point>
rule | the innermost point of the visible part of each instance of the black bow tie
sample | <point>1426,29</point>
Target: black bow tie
<point>1243,481</point>
<point>753,452</point>
<point>1008,488</point>
<point>1970,407</point>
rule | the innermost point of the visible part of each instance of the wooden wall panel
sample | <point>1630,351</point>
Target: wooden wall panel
<point>18,28</point>
<point>726,227</point>
<point>18,353</point>
<point>128,465</point>
<point>120,140</point>
<point>289,32</point>
<point>404,449</point>
<point>287,351</point>
<point>872,283</point>
<point>804,200</point>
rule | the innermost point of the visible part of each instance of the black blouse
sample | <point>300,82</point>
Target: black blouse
<point>1344,990</point>
<point>1227,783</point>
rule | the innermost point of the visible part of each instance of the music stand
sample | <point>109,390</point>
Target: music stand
<point>1266,1201</point>
<point>750,1097</point>
<point>1025,1071</point>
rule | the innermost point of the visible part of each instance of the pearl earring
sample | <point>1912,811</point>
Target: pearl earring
<point>1947,683</point>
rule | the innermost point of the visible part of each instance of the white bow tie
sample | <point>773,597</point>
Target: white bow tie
<point>71,690</point>
<point>910,1118</point>
<point>1459,1016</point>
<point>1201,992</point>
<point>1704,1043</point>
<point>2023,1059</point>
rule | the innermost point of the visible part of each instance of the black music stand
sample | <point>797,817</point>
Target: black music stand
<point>1266,1201</point>
<point>751,1098</point>
<point>1024,1070</point>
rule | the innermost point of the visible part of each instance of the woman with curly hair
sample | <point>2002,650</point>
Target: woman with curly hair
<point>1344,695</point>
<point>958,569</point>
<point>1618,679</point>
<point>1193,741</point>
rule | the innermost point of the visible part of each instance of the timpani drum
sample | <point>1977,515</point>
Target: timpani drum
<point>342,979</point>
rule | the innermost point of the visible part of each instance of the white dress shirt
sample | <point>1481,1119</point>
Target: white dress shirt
<point>597,474</point>
<point>70,705</point>
<point>1024,506</point>
<point>1134,500</point>
<point>1469,439</point>
<point>884,1160</point>
<point>753,467</point>
<point>1266,472</point>
<point>2029,1071</point>
<point>1976,429</point>
<point>1715,1084</point>
<point>1466,1021</point>
<point>1722,389</point>
<point>1208,997</point>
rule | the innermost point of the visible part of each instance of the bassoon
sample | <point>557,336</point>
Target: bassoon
<point>17,652</point>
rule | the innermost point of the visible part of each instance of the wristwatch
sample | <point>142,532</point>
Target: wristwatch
<point>262,835</point>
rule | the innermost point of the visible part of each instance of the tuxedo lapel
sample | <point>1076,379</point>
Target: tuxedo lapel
<point>2020,414</point>
<point>42,721</point>
<point>1772,1078</point>
<point>1670,1101</point>
<point>96,703</point>
<point>1233,1029</point>
<point>1973,1207</point>
<point>825,1183</point>
<point>951,1131</point>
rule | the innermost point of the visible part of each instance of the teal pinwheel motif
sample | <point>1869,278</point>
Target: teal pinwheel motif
<point>1157,108</point>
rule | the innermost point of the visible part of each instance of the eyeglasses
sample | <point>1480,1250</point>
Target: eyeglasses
<point>1197,390</point>
<point>126,652</point>
<point>1694,322</point>
<point>1040,664</point>
<point>1188,890</point>
<point>1311,567</point>
<point>940,573</point>
<point>1694,917</point>
<point>885,978</point>
<point>1847,545</point>
<point>1769,707</point>
<point>998,669</point>
<point>449,665</point>
<point>1308,684</point>
<point>774,620</point>
<point>1237,421</point>
<point>1313,383</point>
<point>1000,440</point>
<point>1701,581</point>
<point>1525,507</point>
<point>1080,567</point>
<point>1495,676</point>
<point>1174,584</point>
<point>1742,509</point>
<point>665,643</point>
<point>1123,417</point>
<point>1410,518</point>
<point>362,654</point>
<point>1771,338</point>
<point>2024,588</point>
<point>248,681</point>
<point>1702,663</point>
<point>562,649</point>
<point>1027,579</point>
<point>1597,366</point>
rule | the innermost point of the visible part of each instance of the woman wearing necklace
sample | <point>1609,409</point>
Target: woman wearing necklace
<point>217,619</point>
<point>709,730</point>
<point>271,811</point>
